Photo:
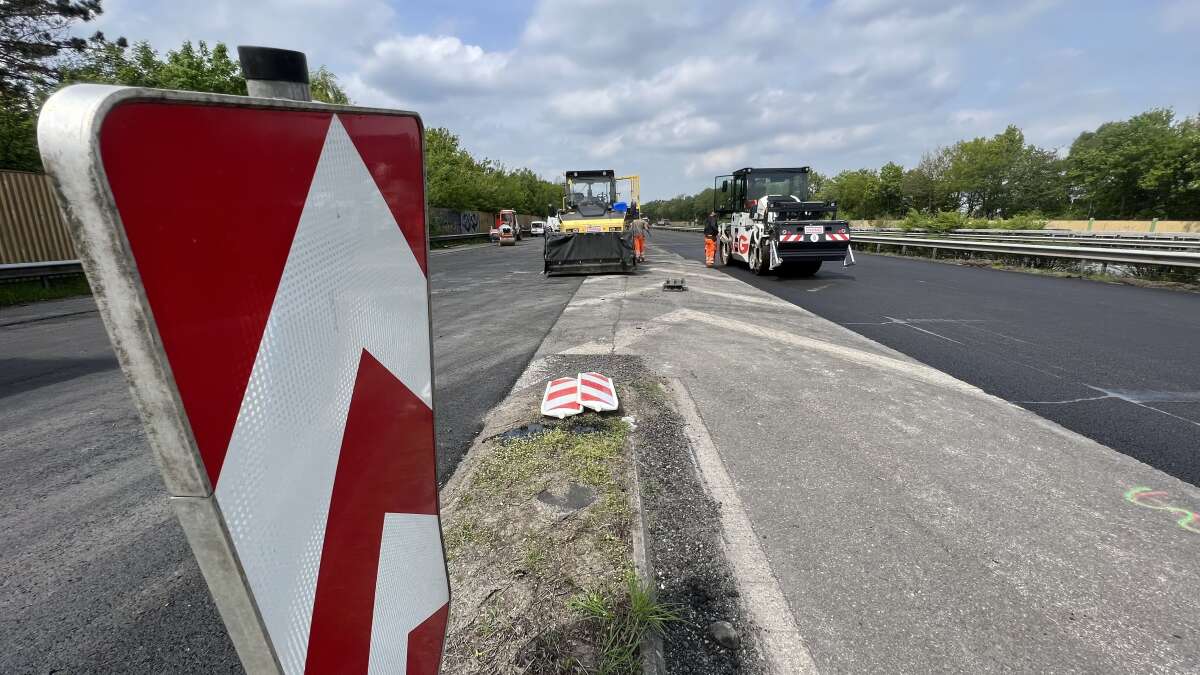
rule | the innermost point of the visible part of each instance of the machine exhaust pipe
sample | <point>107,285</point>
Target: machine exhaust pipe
<point>275,73</point>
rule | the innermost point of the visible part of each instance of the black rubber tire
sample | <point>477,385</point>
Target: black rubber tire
<point>806,268</point>
<point>759,263</point>
<point>724,256</point>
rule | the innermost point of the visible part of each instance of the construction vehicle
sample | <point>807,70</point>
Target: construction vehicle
<point>773,227</point>
<point>508,217</point>
<point>591,235</point>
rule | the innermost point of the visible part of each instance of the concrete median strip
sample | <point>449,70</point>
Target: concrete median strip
<point>878,514</point>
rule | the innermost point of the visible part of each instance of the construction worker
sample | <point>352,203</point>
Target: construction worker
<point>710,238</point>
<point>639,229</point>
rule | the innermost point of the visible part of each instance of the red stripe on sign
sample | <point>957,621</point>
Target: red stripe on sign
<point>561,380</point>
<point>559,393</point>
<point>566,406</point>
<point>591,397</point>
<point>234,181</point>
<point>425,643</point>
<point>390,146</point>
<point>596,386</point>
<point>386,465</point>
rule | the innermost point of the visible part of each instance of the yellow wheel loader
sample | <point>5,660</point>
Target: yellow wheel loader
<point>592,236</point>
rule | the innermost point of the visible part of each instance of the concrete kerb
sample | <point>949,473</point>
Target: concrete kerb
<point>761,596</point>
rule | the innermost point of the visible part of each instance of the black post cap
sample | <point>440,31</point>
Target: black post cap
<point>270,63</point>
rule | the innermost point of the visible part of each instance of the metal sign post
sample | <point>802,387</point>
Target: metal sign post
<point>260,266</point>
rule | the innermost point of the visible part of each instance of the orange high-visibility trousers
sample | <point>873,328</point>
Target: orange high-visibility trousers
<point>710,250</point>
<point>639,245</point>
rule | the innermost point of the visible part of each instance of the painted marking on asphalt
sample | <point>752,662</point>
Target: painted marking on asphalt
<point>1139,398</point>
<point>1124,396</point>
<point>1151,499</point>
<point>918,328</point>
<point>819,288</point>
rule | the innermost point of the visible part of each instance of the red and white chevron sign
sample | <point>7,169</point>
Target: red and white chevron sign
<point>561,398</point>
<point>261,269</point>
<point>597,392</point>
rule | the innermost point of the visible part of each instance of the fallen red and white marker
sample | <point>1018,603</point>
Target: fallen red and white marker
<point>597,392</point>
<point>561,398</point>
<point>566,396</point>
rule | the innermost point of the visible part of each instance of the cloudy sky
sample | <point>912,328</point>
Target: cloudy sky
<point>680,91</point>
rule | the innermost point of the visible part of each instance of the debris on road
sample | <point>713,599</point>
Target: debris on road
<point>561,398</point>
<point>724,633</point>
<point>597,392</point>
<point>566,396</point>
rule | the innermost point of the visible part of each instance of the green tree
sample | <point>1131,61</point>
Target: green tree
<point>1138,168</point>
<point>18,134</point>
<point>32,34</point>
<point>926,187</point>
<point>891,190</point>
<point>192,68</point>
<point>857,193</point>
<point>325,87</point>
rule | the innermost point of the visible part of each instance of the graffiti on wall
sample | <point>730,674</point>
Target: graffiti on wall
<point>468,221</point>
<point>1152,499</point>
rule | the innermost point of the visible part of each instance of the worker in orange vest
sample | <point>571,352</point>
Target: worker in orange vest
<point>710,238</point>
<point>639,230</point>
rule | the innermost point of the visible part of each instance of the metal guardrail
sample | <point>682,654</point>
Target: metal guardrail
<point>1169,241</point>
<point>458,237</point>
<point>1129,256</point>
<point>1050,233</point>
<point>40,270</point>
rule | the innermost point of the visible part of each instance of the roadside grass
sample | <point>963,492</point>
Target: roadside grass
<point>623,619</point>
<point>23,292</point>
<point>540,588</point>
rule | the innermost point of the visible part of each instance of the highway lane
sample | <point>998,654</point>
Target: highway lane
<point>95,574</point>
<point>1113,362</point>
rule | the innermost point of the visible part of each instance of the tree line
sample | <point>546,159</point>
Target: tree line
<point>1145,167</point>
<point>39,54</point>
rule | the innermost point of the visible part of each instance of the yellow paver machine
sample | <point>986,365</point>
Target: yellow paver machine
<point>592,236</point>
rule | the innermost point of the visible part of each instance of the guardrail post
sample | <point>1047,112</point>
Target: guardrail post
<point>1154,225</point>
<point>1091,222</point>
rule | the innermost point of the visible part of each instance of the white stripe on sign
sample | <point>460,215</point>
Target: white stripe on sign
<point>561,398</point>
<point>283,453</point>
<point>597,392</point>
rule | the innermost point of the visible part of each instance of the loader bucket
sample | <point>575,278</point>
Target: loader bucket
<point>589,252</point>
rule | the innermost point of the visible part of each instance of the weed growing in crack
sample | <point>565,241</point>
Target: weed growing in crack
<point>622,620</point>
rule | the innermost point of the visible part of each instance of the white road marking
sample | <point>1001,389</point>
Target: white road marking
<point>918,328</point>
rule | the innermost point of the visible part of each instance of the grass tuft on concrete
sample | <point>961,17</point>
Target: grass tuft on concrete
<point>622,621</point>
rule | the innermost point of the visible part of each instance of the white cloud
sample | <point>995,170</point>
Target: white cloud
<point>424,66</point>
<point>719,159</point>
<point>677,90</point>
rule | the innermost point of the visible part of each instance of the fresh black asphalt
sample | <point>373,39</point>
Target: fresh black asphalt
<point>1117,363</point>
<point>95,573</point>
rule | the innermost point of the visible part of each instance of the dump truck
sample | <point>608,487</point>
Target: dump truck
<point>773,226</point>
<point>591,236</point>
